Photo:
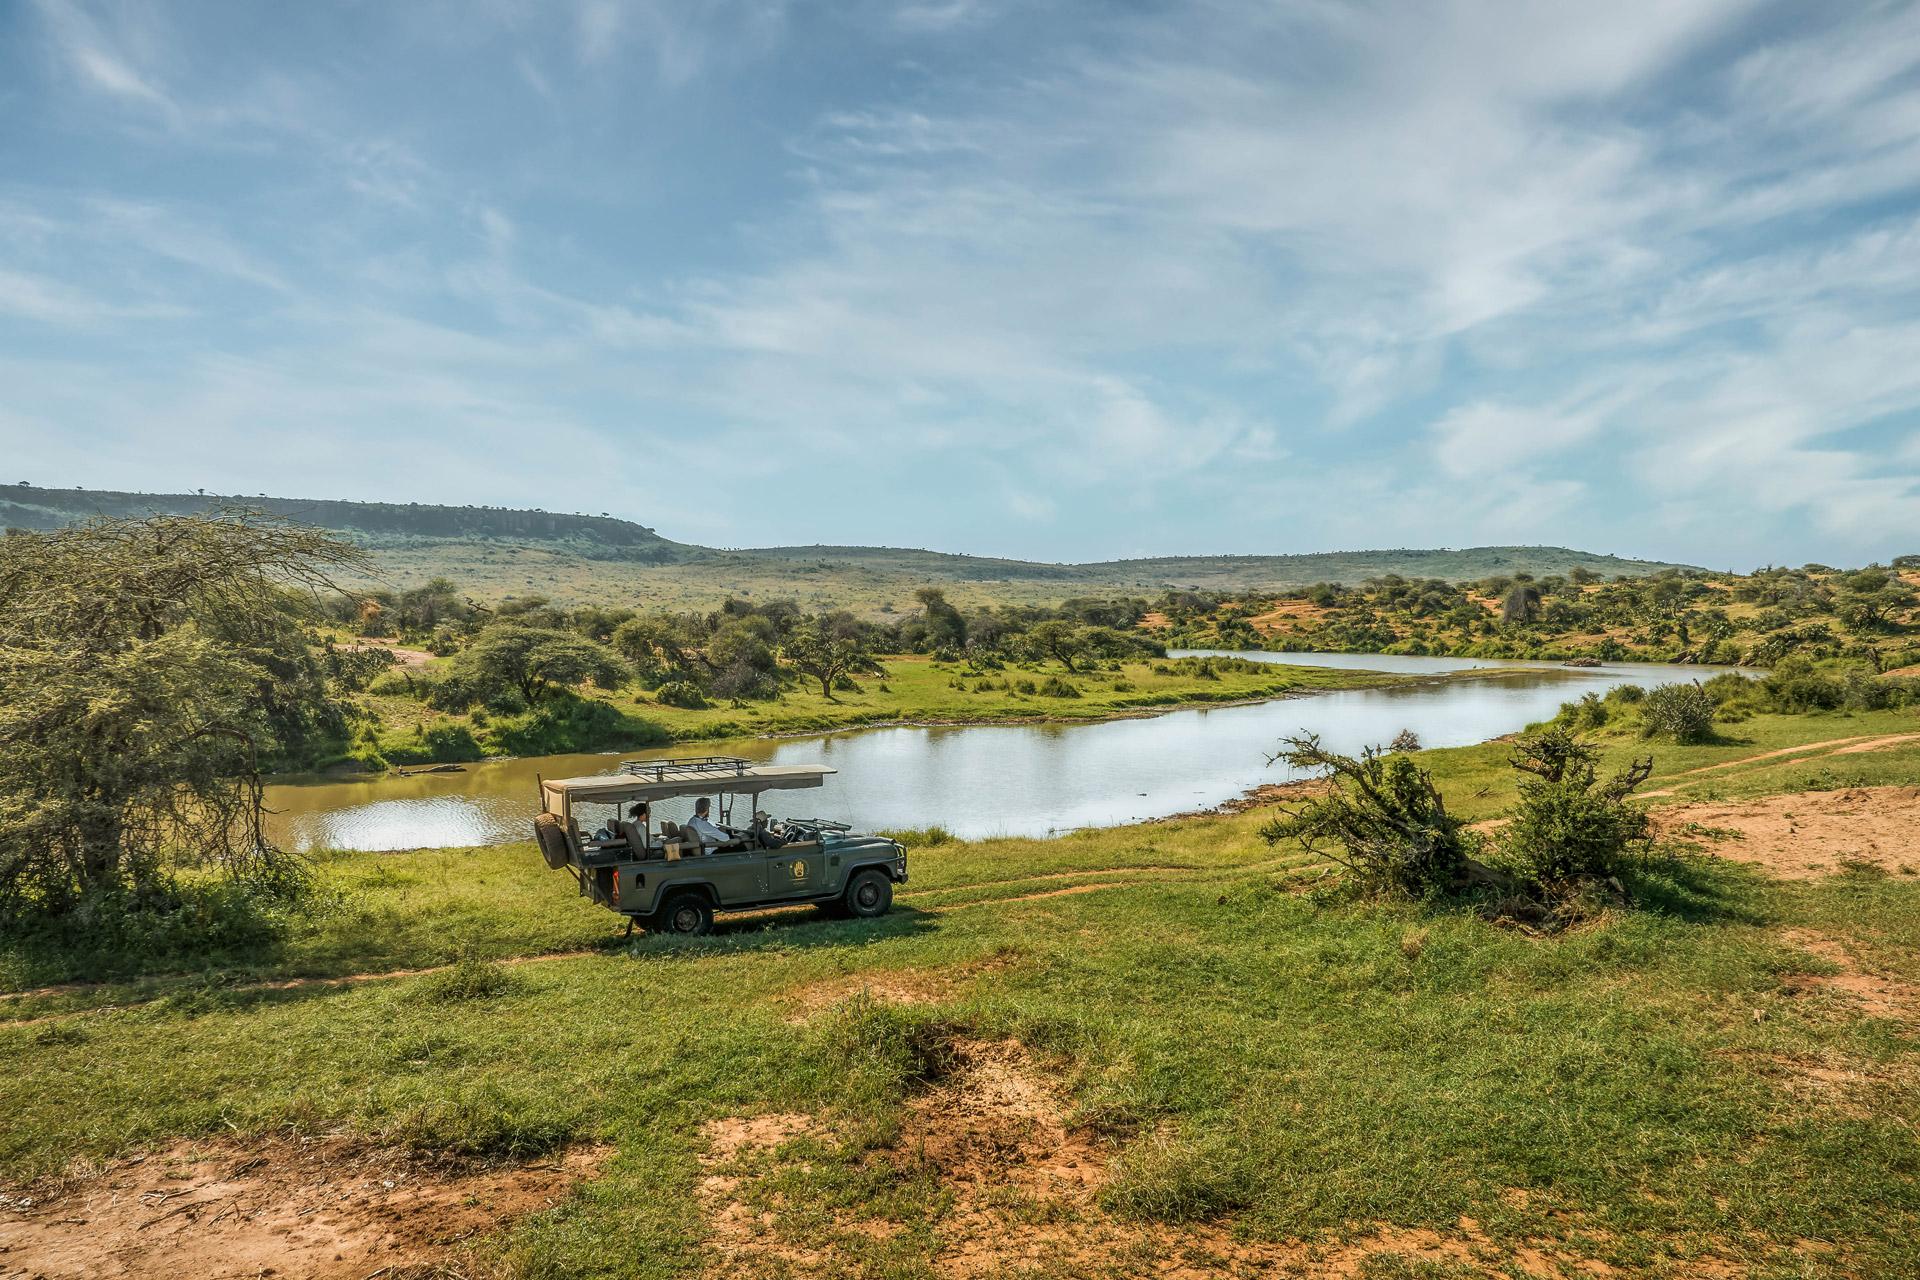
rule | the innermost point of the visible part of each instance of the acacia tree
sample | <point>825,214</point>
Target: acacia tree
<point>533,662</point>
<point>827,649</point>
<point>1870,598</point>
<point>1521,605</point>
<point>946,629</point>
<point>1061,640</point>
<point>148,668</point>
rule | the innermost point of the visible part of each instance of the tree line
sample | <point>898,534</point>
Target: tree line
<point>523,652</point>
<point>1758,619</point>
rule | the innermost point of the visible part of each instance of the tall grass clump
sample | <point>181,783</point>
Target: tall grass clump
<point>466,979</point>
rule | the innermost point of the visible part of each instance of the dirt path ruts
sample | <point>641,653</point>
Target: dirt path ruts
<point>1856,745</point>
<point>1107,878</point>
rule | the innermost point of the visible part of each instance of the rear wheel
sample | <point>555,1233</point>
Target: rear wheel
<point>687,913</point>
<point>870,894</point>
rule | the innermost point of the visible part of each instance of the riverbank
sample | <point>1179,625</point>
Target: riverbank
<point>1017,1070</point>
<point>914,690</point>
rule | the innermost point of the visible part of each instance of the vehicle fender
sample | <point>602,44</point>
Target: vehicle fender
<point>652,895</point>
<point>869,864</point>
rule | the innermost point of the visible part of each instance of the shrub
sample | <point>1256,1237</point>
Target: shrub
<point>574,724</point>
<point>1384,820</point>
<point>1055,687</point>
<point>681,693</point>
<point>488,1123</point>
<point>1683,712</point>
<point>398,682</point>
<point>1570,827</point>
<point>466,979</point>
<point>441,744</point>
<point>921,837</point>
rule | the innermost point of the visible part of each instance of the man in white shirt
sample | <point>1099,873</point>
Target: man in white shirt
<point>703,827</point>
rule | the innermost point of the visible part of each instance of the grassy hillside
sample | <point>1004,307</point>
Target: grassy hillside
<point>581,559</point>
<point>1155,1050</point>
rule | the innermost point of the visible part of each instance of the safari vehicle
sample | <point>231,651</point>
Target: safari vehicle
<point>666,880</point>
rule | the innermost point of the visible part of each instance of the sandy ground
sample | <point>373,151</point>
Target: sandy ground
<point>1287,615</point>
<point>326,1208</point>
<point>402,656</point>
<point>1812,833</point>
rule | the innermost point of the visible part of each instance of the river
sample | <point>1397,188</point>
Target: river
<point>984,780</point>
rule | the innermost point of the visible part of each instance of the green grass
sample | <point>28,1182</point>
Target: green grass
<point>1294,1067</point>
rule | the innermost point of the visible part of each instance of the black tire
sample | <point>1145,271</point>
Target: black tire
<point>687,913</point>
<point>552,840</point>
<point>869,894</point>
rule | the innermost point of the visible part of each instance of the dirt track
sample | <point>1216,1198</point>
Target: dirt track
<point>326,1209</point>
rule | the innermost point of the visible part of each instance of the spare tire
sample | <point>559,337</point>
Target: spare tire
<point>552,839</point>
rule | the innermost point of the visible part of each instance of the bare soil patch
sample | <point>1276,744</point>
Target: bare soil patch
<point>1287,615</point>
<point>320,1208</point>
<point>741,1235</point>
<point>401,656</point>
<point>1878,995</point>
<point>1809,834</point>
<point>1022,1183</point>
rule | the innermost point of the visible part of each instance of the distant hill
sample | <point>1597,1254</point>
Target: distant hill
<point>373,524</point>
<point>576,559</point>
<point>1232,571</point>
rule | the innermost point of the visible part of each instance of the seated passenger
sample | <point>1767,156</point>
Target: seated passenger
<point>761,832</point>
<point>634,830</point>
<point>703,827</point>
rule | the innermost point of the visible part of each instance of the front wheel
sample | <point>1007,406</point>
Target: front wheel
<point>687,913</point>
<point>870,894</point>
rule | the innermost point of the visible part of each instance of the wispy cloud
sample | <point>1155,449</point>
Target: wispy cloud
<point>1232,275</point>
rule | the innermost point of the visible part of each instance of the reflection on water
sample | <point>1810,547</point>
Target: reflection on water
<point>981,780</point>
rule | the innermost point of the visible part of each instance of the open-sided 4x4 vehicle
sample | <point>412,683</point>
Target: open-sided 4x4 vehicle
<point>666,879</point>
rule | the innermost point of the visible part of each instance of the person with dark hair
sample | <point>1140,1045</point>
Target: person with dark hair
<point>634,829</point>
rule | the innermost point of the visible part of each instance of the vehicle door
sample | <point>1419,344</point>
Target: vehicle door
<point>739,876</point>
<point>797,871</point>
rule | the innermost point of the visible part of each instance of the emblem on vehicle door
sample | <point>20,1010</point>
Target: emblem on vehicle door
<point>797,869</point>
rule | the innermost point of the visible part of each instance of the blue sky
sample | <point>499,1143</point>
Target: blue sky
<point>1040,279</point>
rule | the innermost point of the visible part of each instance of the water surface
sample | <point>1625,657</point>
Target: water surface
<point>982,780</point>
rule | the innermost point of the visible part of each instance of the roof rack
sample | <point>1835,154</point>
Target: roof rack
<point>708,766</point>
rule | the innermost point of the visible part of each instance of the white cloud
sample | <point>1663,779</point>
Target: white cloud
<point>47,301</point>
